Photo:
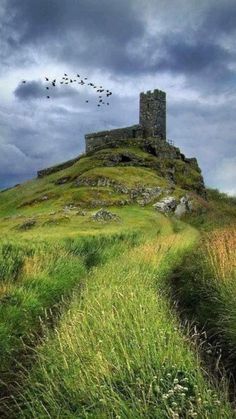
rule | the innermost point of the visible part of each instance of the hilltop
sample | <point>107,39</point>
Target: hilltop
<point>139,173</point>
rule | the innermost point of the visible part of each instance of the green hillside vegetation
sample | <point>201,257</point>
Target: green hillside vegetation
<point>93,314</point>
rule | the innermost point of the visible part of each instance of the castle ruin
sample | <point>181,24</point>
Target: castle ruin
<point>149,135</point>
<point>152,123</point>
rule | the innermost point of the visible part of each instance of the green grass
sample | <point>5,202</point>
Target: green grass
<point>205,288</point>
<point>119,352</point>
<point>216,211</point>
<point>29,198</point>
<point>129,176</point>
<point>87,326</point>
<point>34,280</point>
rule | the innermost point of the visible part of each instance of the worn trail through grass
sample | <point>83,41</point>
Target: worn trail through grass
<point>118,352</point>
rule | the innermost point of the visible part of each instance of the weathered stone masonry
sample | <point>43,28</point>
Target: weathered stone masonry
<point>152,123</point>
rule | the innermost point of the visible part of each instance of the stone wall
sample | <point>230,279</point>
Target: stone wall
<point>57,168</point>
<point>152,113</point>
<point>104,139</point>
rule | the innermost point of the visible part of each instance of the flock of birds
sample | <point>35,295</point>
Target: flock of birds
<point>102,93</point>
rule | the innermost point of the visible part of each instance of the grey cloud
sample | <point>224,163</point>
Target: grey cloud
<point>192,56</point>
<point>105,34</point>
<point>76,26</point>
<point>219,18</point>
<point>31,89</point>
<point>204,130</point>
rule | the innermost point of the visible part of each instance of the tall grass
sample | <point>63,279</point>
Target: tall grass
<point>118,351</point>
<point>205,286</point>
<point>219,251</point>
<point>34,279</point>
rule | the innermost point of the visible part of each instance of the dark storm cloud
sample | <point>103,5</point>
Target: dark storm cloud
<point>47,18</point>
<point>221,18</point>
<point>31,89</point>
<point>37,89</point>
<point>112,36</point>
<point>74,30</point>
<point>192,56</point>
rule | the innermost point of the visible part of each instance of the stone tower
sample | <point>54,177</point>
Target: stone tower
<point>152,113</point>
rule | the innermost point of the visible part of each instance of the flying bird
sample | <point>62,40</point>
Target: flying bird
<point>66,80</point>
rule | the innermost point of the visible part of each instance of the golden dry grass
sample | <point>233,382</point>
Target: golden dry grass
<point>220,250</point>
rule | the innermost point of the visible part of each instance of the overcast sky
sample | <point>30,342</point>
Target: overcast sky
<point>184,47</point>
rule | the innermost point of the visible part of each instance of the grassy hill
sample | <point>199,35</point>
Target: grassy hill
<point>92,311</point>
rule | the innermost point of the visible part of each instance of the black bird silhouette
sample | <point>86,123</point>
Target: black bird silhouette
<point>82,81</point>
<point>24,81</point>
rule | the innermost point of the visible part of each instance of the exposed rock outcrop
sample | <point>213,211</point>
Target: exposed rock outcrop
<point>105,215</point>
<point>169,204</point>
